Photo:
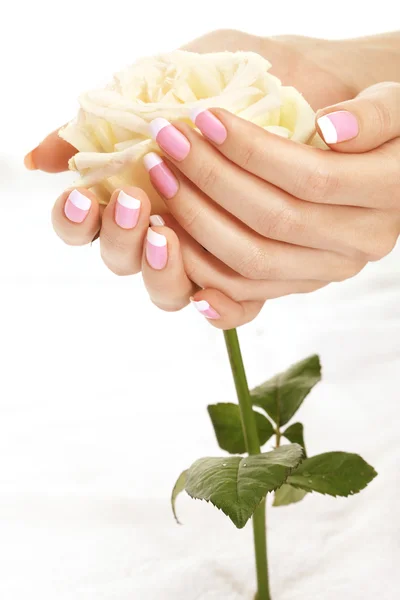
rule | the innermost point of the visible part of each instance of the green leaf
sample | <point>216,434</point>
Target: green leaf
<point>333,473</point>
<point>283,395</point>
<point>287,494</point>
<point>228,427</point>
<point>295,434</point>
<point>178,488</point>
<point>237,485</point>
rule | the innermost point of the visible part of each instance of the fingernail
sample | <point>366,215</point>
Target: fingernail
<point>77,207</point>
<point>205,309</point>
<point>161,176</point>
<point>209,125</point>
<point>170,139</point>
<point>29,162</point>
<point>157,221</point>
<point>338,126</point>
<point>156,249</point>
<point>127,209</point>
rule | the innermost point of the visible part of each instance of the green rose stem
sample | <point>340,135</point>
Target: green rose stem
<point>253,447</point>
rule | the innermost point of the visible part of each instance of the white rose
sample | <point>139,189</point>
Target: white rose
<point>111,130</point>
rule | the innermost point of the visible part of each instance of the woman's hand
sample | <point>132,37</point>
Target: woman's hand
<point>277,216</point>
<point>316,67</point>
<point>131,241</point>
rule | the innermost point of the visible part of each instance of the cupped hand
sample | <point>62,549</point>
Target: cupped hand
<point>131,241</point>
<point>280,214</point>
<point>296,61</point>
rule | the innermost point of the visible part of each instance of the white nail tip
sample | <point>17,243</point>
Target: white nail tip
<point>157,221</point>
<point>79,200</point>
<point>201,305</point>
<point>128,201</point>
<point>328,130</point>
<point>156,125</point>
<point>194,113</point>
<point>156,239</point>
<point>151,160</point>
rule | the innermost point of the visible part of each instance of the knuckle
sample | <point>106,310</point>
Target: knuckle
<point>247,155</point>
<point>206,175</point>
<point>380,237</point>
<point>189,216</point>
<point>257,264</point>
<point>318,184</point>
<point>381,115</point>
<point>350,268</point>
<point>386,185</point>
<point>381,247</point>
<point>284,222</point>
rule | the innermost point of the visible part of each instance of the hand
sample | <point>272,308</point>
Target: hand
<point>315,67</point>
<point>281,215</point>
<point>132,241</point>
<point>297,61</point>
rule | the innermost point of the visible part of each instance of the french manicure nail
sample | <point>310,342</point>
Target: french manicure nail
<point>156,249</point>
<point>161,176</point>
<point>205,309</point>
<point>77,207</point>
<point>127,209</point>
<point>170,139</point>
<point>209,125</point>
<point>338,126</point>
<point>157,221</point>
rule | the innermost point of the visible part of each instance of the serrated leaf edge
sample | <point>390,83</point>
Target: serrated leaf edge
<point>261,500</point>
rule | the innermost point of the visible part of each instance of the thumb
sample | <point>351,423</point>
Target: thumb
<point>364,123</point>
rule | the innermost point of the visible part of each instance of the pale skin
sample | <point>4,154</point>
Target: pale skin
<point>258,216</point>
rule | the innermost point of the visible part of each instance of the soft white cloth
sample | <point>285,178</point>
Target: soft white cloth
<point>103,402</point>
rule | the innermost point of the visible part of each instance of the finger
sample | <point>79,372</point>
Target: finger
<point>123,230</point>
<point>76,216</point>
<point>264,208</point>
<point>208,272</point>
<point>162,268</point>
<point>246,252</point>
<point>222,312</point>
<point>364,123</point>
<point>306,173</point>
<point>52,155</point>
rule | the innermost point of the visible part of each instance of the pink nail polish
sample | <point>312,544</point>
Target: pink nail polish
<point>161,176</point>
<point>77,207</point>
<point>209,125</point>
<point>205,309</point>
<point>172,141</point>
<point>338,126</point>
<point>156,249</point>
<point>127,210</point>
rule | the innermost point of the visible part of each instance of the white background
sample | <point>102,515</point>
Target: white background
<point>102,397</point>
